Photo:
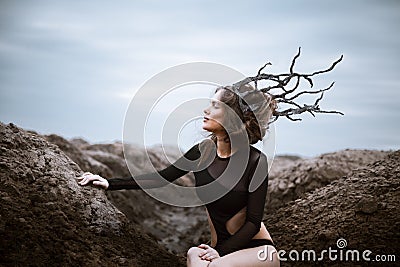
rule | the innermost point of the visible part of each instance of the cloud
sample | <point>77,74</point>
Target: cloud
<point>64,54</point>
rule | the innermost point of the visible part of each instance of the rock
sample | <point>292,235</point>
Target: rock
<point>84,160</point>
<point>310,174</point>
<point>349,209</point>
<point>51,220</point>
<point>367,205</point>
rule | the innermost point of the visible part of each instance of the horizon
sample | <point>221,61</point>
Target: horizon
<point>172,146</point>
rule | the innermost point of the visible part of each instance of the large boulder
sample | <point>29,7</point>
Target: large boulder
<point>46,218</point>
<point>359,211</point>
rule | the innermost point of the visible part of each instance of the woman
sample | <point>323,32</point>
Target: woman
<point>235,119</point>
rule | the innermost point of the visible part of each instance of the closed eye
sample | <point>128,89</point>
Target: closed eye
<point>215,104</point>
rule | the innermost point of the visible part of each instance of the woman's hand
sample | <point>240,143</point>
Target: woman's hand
<point>209,253</point>
<point>96,180</point>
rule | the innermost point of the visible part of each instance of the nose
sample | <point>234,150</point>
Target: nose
<point>206,111</point>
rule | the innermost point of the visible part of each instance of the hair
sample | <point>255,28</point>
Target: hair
<point>253,121</point>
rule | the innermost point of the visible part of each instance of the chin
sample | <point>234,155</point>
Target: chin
<point>207,128</point>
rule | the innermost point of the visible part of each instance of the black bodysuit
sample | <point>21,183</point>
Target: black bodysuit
<point>242,194</point>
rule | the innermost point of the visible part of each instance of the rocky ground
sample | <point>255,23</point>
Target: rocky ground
<point>351,194</point>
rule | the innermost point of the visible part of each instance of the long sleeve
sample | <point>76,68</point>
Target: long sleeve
<point>152,180</point>
<point>255,211</point>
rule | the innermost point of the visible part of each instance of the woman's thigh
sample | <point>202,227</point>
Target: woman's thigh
<point>249,257</point>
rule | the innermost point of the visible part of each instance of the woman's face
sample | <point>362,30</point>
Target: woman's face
<point>214,114</point>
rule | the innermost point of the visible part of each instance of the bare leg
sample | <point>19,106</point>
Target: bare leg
<point>193,259</point>
<point>248,258</point>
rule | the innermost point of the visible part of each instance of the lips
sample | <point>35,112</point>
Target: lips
<point>205,119</point>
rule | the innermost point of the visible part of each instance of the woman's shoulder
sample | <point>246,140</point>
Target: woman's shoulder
<point>197,148</point>
<point>205,145</point>
<point>256,151</point>
<point>258,154</point>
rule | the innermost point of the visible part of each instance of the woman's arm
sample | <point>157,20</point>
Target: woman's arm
<point>254,215</point>
<point>149,180</point>
<point>212,230</point>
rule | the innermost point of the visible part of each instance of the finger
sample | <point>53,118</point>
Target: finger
<point>83,182</point>
<point>212,257</point>
<point>90,178</point>
<point>205,256</point>
<point>210,250</point>
<point>84,175</point>
<point>87,180</point>
<point>99,183</point>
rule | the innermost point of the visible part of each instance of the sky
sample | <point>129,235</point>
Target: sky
<point>72,67</point>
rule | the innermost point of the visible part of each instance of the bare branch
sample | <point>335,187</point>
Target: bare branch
<point>329,69</point>
<point>292,119</point>
<point>330,111</point>
<point>294,60</point>
<point>263,67</point>
<point>259,72</point>
<point>312,92</point>
<point>289,95</point>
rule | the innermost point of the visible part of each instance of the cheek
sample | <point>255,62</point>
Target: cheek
<point>217,122</point>
<point>219,116</point>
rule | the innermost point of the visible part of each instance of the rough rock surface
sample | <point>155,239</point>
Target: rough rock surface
<point>361,207</point>
<point>47,219</point>
<point>84,161</point>
<point>282,162</point>
<point>304,175</point>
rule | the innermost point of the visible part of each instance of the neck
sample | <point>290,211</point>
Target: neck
<point>224,148</point>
